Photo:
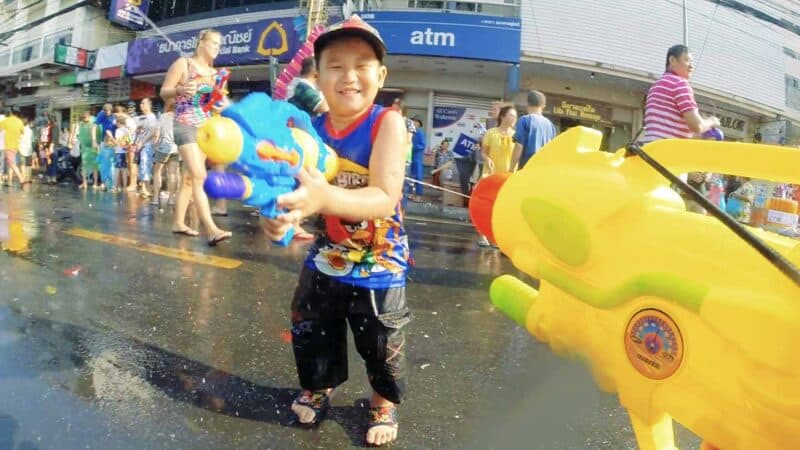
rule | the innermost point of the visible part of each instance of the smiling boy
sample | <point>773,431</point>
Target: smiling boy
<point>356,271</point>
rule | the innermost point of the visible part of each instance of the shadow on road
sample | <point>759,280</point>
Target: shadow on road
<point>180,378</point>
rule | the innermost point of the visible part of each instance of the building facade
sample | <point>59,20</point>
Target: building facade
<point>603,56</point>
<point>45,40</point>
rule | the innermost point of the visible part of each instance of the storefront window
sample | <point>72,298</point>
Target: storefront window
<point>62,37</point>
<point>176,8</point>
<point>26,52</point>
<point>196,7</point>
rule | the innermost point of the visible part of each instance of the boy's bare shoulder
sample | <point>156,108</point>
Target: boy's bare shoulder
<point>392,118</point>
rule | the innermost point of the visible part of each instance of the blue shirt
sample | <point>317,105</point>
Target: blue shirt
<point>418,141</point>
<point>533,131</point>
<point>106,123</point>
<point>370,253</point>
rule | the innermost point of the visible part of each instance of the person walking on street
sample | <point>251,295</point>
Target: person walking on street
<point>532,132</point>
<point>13,127</point>
<point>184,78</point>
<point>418,145</point>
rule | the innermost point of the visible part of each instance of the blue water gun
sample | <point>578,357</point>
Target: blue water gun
<point>265,142</point>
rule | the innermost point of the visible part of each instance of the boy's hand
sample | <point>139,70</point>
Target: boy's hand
<point>309,198</point>
<point>275,229</point>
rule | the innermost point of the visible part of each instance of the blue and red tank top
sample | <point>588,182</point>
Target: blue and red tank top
<point>372,253</point>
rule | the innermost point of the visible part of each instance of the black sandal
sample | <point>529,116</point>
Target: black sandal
<point>318,401</point>
<point>225,235</point>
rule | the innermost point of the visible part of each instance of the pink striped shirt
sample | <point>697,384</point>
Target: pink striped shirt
<point>667,100</point>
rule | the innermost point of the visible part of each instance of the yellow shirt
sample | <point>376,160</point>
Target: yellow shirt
<point>499,147</point>
<point>13,127</point>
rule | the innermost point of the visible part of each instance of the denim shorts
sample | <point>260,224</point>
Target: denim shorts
<point>184,134</point>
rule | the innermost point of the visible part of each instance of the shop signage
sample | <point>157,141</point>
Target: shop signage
<point>578,109</point>
<point>735,126</point>
<point>452,35</point>
<point>461,126</point>
<point>246,43</point>
<point>129,13</point>
<point>71,56</point>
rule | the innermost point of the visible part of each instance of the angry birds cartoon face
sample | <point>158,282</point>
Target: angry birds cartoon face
<point>332,260</point>
<point>358,235</point>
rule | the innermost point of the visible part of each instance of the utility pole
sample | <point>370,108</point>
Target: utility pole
<point>685,24</point>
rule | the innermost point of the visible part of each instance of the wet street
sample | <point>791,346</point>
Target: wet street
<point>117,334</point>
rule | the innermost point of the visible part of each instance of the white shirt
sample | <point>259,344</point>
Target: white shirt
<point>26,142</point>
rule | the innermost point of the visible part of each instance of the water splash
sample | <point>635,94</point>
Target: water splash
<point>156,28</point>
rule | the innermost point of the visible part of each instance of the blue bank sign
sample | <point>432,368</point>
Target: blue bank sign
<point>448,34</point>
<point>245,43</point>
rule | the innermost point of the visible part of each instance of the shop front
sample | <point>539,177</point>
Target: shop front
<point>449,69</point>
<point>246,49</point>
<point>736,126</point>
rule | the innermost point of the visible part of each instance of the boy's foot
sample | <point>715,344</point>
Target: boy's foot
<point>219,212</point>
<point>311,407</point>
<point>382,425</point>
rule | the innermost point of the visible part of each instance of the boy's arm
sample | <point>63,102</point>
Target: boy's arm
<point>378,200</point>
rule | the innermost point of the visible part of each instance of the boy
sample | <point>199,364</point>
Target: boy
<point>357,269</point>
<point>122,139</point>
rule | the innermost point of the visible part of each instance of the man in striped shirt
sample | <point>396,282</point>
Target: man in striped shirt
<point>671,111</point>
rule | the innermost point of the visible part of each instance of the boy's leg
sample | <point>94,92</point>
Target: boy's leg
<point>319,340</point>
<point>377,318</point>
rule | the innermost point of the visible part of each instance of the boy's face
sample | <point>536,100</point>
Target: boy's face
<point>350,76</point>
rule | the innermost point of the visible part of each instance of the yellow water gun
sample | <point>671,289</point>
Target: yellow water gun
<point>671,310</point>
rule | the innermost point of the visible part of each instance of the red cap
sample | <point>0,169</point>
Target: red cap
<point>353,26</point>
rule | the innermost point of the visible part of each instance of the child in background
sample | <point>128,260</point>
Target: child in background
<point>122,140</point>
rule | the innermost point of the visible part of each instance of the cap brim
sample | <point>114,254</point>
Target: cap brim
<point>326,38</point>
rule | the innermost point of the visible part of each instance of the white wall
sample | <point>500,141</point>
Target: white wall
<point>734,53</point>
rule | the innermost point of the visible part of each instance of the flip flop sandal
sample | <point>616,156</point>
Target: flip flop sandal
<point>187,232</point>
<point>382,416</point>
<point>219,238</point>
<point>318,401</point>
